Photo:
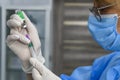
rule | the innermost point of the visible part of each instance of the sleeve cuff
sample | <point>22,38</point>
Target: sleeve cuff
<point>65,77</point>
<point>28,70</point>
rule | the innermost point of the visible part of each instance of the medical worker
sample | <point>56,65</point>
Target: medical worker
<point>104,25</point>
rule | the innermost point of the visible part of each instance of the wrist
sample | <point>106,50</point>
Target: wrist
<point>27,67</point>
<point>27,70</point>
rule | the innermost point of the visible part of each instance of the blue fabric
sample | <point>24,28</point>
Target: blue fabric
<point>81,73</point>
<point>105,32</point>
<point>104,68</point>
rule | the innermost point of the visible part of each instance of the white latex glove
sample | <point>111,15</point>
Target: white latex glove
<point>40,72</point>
<point>18,43</point>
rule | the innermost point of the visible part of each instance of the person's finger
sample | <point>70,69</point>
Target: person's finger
<point>22,35</point>
<point>12,38</point>
<point>13,23</point>
<point>16,17</point>
<point>36,64</point>
<point>18,30</point>
<point>21,38</point>
<point>36,75</point>
<point>13,31</point>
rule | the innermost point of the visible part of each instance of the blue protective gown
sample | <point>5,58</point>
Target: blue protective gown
<point>104,68</point>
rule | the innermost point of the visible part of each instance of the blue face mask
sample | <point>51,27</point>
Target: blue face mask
<point>105,31</point>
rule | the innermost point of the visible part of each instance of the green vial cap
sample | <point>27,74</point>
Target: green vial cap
<point>30,45</point>
<point>20,14</point>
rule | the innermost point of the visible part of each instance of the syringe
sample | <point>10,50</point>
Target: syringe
<point>32,51</point>
<point>30,45</point>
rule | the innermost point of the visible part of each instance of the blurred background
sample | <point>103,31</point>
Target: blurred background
<point>62,27</point>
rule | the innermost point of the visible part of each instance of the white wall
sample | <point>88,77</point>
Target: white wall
<point>26,2</point>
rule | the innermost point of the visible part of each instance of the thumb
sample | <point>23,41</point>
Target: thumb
<point>36,75</point>
<point>37,65</point>
<point>46,73</point>
<point>30,27</point>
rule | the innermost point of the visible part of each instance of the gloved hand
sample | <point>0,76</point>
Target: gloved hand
<point>18,43</point>
<point>40,72</point>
